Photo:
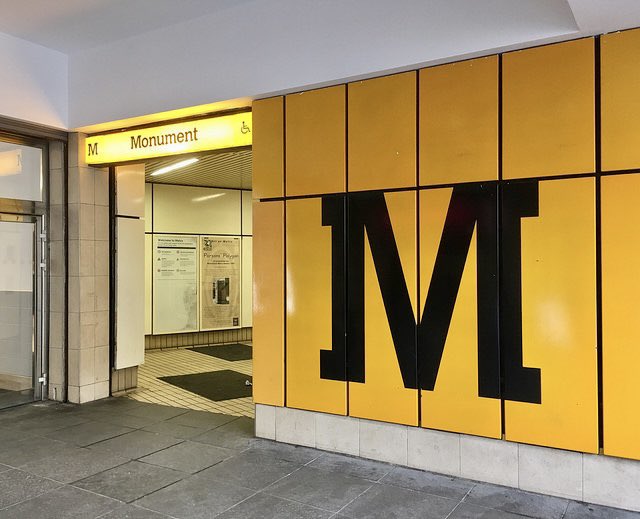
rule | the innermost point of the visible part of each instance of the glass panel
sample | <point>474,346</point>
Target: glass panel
<point>20,172</point>
<point>16,313</point>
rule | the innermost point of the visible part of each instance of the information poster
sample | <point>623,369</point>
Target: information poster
<point>175,284</point>
<point>219,282</point>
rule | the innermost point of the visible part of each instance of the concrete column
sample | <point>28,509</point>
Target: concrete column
<point>57,271</point>
<point>88,205</point>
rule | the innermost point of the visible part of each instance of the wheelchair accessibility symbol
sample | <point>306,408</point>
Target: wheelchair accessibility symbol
<point>244,128</point>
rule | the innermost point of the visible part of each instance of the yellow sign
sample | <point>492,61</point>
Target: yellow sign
<point>228,131</point>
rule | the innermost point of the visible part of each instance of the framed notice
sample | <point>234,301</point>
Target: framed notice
<point>175,284</point>
<point>219,282</point>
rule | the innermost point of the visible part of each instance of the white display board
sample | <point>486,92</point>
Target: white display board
<point>175,284</point>
<point>148,282</point>
<point>219,282</point>
<point>129,293</point>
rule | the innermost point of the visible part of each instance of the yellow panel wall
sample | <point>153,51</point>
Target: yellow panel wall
<point>268,148</point>
<point>382,132</point>
<point>454,404</point>
<point>620,331</point>
<point>620,100</point>
<point>459,122</point>
<point>268,303</point>
<point>309,318</point>
<point>316,142</point>
<point>559,319</point>
<point>548,96</point>
<point>383,395</point>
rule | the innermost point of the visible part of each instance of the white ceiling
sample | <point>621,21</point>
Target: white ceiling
<point>71,26</point>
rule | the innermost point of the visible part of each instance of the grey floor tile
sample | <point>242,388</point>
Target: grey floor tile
<point>182,432</point>
<point>586,511</point>
<point>202,419</point>
<point>114,403</point>
<point>30,449</point>
<point>195,498</point>
<point>517,501</point>
<point>63,503</point>
<point>133,512</point>
<point>188,457</point>
<point>88,433</point>
<point>71,464</point>
<point>466,511</point>
<point>125,420</point>
<point>437,484</point>
<point>236,435</point>
<point>135,444</point>
<point>263,506</point>
<point>294,453</point>
<point>366,469</point>
<point>388,502</point>
<point>16,486</point>
<point>251,469</point>
<point>12,436</point>
<point>327,490</point>
<point>43,425</point>
<point>155,411</point>
<point>130,481</point>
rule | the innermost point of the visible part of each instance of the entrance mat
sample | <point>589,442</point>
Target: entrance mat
<point>214,385</point>
<point>231,352</point>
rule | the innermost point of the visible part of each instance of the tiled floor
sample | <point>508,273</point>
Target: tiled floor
<point>118,458</point>
<point>161,363</point>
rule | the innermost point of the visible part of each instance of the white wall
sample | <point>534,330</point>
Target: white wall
<point>33,83</point>
<point>267,46</point>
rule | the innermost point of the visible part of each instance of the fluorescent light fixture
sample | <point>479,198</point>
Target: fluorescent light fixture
<point>10,163</point>
<point>173,167</point>
<point>208,197</point>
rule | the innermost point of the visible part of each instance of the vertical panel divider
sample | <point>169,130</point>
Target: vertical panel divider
<point>346,245</point>
<point>499,245</point>
<point>284,247</point>
<point>598,210</point>
<point>418,301</point>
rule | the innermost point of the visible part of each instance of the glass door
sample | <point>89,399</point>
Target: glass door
<point>22,287</point>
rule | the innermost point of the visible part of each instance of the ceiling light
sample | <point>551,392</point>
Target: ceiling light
<point>173,167</point>
<point>208,197</point>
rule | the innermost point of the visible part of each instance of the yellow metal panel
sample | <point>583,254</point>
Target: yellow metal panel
<point>459,122</point>
<point>620,101</point>
<point>548,110</point>
<point>316,141</point>
<point>268,303</point>
<point>620,330</point>
<point>268,148</point>
<point>309,310</point>
<point>454,404</point>
<point>559,319</point>
<point>382,132</point>
<point>383,396</point>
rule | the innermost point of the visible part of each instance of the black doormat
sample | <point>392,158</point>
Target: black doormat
<point>231,352</point>
<point>214,385</point>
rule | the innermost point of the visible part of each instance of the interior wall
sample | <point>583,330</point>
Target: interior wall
<point>192,213</point>
<point>34,84</point>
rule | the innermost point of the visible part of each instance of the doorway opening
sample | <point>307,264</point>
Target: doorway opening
<point>198,284</point>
